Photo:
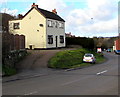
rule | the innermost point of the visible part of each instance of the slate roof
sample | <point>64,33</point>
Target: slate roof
<point>48,14</point>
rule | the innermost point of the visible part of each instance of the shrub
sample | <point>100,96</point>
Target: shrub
<point>66,59</point>
<point>72,58</point>
<point>11,59</point>
<point>83,41</point>
<point>8,70</point>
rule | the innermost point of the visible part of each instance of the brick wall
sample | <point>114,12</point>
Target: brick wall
<point>117,44</point>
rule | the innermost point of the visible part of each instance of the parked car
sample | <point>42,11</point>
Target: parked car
<point>89,58</point>
<point>117,52</point>
<point>99,50</point>
<point>109,50</point>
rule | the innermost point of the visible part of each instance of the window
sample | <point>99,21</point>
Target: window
<point>61,39</point>
<point>56,24</point>
<point>50,39</point>
<point>50,23</point>
<point>61,25</point>
<point>16,25</point>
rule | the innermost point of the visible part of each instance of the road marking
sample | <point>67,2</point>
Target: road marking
<point>31,93</point>
<point>101,72</point>
<point>70,69</point>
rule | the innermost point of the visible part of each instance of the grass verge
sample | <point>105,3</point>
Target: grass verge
<point>72,59</point>
<point>9,70</point>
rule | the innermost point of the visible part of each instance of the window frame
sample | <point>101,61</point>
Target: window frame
<point>50,39</point>
<point>16,25</point>
<point>50,23</point>
<point>61,25</point>
<point>56,24</point>
<point>61,38</point>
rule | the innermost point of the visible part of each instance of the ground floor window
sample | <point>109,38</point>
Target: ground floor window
<point>16,26</point>
<point>50,39</point>
<point>61,39</point>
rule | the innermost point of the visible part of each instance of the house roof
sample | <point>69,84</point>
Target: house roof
<point>47,14</point>
<point>50,15</point>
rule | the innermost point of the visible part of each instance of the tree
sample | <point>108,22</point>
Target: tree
<point>4,21</point>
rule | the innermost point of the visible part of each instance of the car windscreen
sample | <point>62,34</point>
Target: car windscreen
<point>88,55</point>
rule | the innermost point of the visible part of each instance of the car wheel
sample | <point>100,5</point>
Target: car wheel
<point>93,62</point>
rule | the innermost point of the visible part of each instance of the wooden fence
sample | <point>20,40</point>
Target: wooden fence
<point>13,42</point>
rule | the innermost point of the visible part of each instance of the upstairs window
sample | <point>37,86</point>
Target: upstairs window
<point>50,23</point>
<point>61,25</point>
<point>16,25</point>
<point>56,24</point>
<point>50,39</point>
<point>61,39</point>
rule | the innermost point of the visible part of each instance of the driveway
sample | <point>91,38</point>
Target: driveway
<point>37,59</point>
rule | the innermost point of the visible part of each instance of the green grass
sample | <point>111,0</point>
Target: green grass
<point>72,59</point>
<point>9,71</point>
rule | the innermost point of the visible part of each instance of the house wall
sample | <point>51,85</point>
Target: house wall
<point>35,35</point>
<point>55,31</point>
<point>117,44</point>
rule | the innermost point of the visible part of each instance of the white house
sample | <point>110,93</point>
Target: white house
<point>42,28</point>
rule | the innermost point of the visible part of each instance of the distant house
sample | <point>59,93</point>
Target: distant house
<point>69,35</point>
<point>42,28</point>
<point>117,44</point>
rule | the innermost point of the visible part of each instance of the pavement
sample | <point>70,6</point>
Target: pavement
<point>28,74</point>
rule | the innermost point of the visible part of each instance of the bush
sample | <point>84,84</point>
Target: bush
<point>66,59</point>
<point>82,41</point>
<point>72,58</point>
<point>8,70</point>
<point>11,59</point>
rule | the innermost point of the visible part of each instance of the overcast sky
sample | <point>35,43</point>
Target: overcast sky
<point>83,17</point>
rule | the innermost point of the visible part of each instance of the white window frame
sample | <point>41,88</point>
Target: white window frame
<point>61,38</point>
<point>16,25</point>
<point>50,23</point>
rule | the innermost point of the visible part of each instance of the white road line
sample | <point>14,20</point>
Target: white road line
<point>31,93</point>
<point>101,72</point>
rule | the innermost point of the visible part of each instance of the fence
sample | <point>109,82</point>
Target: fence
<point>13,50</point>
<point>12,43</point>
<point>17,42</point>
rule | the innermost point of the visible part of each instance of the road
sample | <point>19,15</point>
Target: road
<point>100,79</point>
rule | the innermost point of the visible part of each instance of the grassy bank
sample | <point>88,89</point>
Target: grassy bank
<point>72,59</point>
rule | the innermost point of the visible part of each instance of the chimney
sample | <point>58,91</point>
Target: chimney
<point>20,16</point>
<point>34,5</point>
<point>54,11</point>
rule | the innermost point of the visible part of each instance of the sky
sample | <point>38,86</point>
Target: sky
<point>84,18</point>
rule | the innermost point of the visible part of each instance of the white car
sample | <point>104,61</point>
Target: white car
<point>89,58</point>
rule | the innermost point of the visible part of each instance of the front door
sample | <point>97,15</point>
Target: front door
<point>56,41</point>
<point>30,46</point>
